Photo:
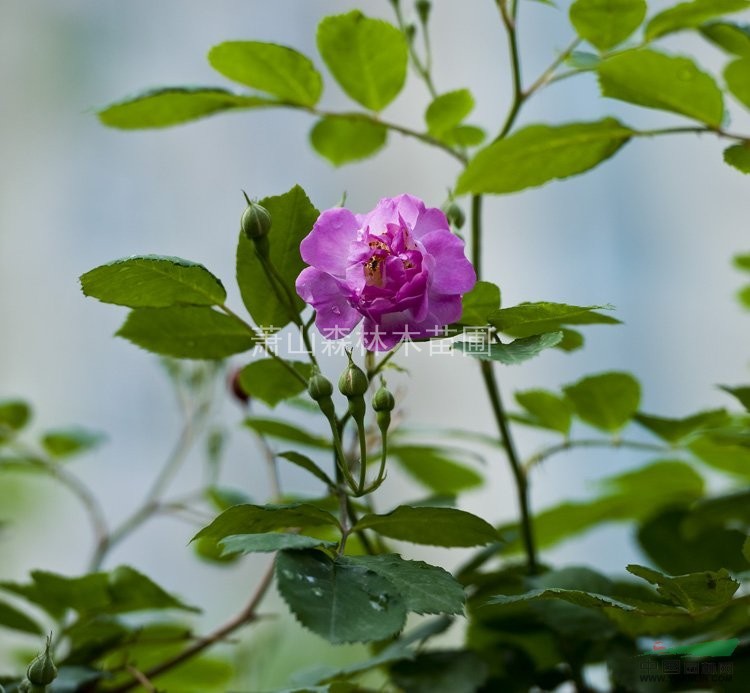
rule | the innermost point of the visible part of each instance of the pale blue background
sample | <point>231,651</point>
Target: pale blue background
<point>651,232</point>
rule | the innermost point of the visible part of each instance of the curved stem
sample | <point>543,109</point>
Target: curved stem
<point>553,450</point>
<point>509,22</point>
<point>246,616</point>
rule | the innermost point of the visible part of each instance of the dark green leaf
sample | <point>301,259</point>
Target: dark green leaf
<point>307,464</point>
<point>572,340</point>
<point>674,430</point>
<point>343,139</point>
<point>606,401</point>
<point>277,70</point>
<point>527,319</point>
<point>722,455</point>
<point>689,15</point>
<point>433,526</point>
<point>293,216</point>
<point>162,108</point>
<point>447,111</point>
<point>737,76</point>
<point>14,414</point>
<point>733,38</point>
<point>655,80</point>
<point>578,597</point>
<point>731,509</point>
<point>190,332</point>
<point>547,409</point>
<point>606,23</point>
<point>152,281</point>
<point>738,156</point>
<point>741,393</point>
<point>338,600</point>
<point>269,381</point>
<point>223,498</point>
<point>441,671</point>
<point>425,588</point>
<point>512,353</point>
<point>742,262</point>
<point>746,549</point>
<point>435,469</point>
<point>367,57</point>
<point>12,618</point>
<point>744,296</point>
<point>284,431</point>
<point>693,591</point>
<point>130,590</point>
<point>269,542</point>
<point>479,303</point>
<point>256,519</point>
<point>540,153</point>
<point>70,441</point>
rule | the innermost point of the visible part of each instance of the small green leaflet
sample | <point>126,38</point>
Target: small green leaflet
<point>448,110</point>
<point>655,80</point>
<point>339,600</point>
<point>546,409</point>
<point>433,526</point>
<point>153,281</point>
<point>606,401</point>
<point>479,303</point>
<point>160,108</point>
<point>66,442</point>
<point>606,23</point>
<point>13,619</point>
<point>435,468</point>
<point>269,381</point>
<point>14,414</point>
<point>512,353</point>
<point>741,393</point>
<point>527,319</point>
<point>737,76</point>
<point>273,428</point>
<point>675,430</point>
<point>269,542</point>
<point>367,57</point>
<point>191,332</point>
<point>738,156</point>
<point>280,71</point>
<point>307,464</point>
<point>345,139</point>
<point>689,15</point>
<point>538,154</point>
<point>732,38</point>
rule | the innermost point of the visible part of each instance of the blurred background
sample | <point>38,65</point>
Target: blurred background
<point>651,232</point>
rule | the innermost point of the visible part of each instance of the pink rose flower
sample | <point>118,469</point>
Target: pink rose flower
<point>399,267</point>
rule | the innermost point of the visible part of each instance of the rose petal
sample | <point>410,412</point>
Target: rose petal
<point>334,318</point>
<point>453,272</point>
<point>327,246</point>
<point>430,220</point>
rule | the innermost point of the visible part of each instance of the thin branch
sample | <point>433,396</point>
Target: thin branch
<point>553,450</point>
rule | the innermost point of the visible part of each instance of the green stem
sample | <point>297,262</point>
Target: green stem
<point>476,233</point>
<point>423,69</point>
<point>553,450</point>
<point>518,96</point>
<point>372,372</point>
<point>362,435</point>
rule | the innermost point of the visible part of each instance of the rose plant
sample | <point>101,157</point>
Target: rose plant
<point>401,271</point>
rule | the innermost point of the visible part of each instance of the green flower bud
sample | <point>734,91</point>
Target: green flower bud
<point>423,10</point>
<point>256,221</point>
<point>353,381</point>
<point>455,215</point>
<point>411,30</point>
<point>383,400</point>
<point>42,670</point>
<point>319,387</point>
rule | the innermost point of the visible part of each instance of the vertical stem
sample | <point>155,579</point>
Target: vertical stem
<point>476,233</point>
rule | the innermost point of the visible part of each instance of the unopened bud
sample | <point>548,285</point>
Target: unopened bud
<point>455,214</point>
<point>235,387</point>
<point>353,381</point>
<point>256,221</point>
<point>42,670</point>
<point>319,387</point>
<point>423,10</point>
<point>411,30</point>
<point>383,400</point>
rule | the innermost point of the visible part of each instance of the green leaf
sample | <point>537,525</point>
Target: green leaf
<point>742,261</point>
<point>583,60</point>
<point>441,671</point>
<point>425,588</point>
<point>479,304</point>
<point>367,57</point>
<point>70,441</point>
<point>547,409</point>
<point>669,83</point>
<point>130,590</point>
<point>741,393</point>
<point>433,526</point>
<point>724,456</point>
<point>191,332</point>
<point>222,497</point>
<point>447,111</point>
<point>675,430</point>
<point>256,519</point>
<point>278,70</point>
<point>161,108</point>
<point>293,216</point>
<point>538,154</point>
<point>738,156</point>
<point>693,591</point>
<point>13,619</point>
<point>435,469</point>
<point>690,15</point>
<point>733,38</point>
<point>532,318</point>
<point>14,414</point>
<point>337,600</point>
<point>345,138</point>
<point>464,136</point>
<point>268,380</point>
<point>572,340</point>
<point>746,549</point>
<point>578,597</point>
<point>306,463</point>
<point>606,401</point>
<point>737,77</point>
<point>512,353</point>
<point>153,281</point>
<point>285,431</point>
<point>606,23</point>
<point>266,543</point>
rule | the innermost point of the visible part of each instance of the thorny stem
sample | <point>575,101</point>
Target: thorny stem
<point>246,616</point>
<point>545,454</point>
